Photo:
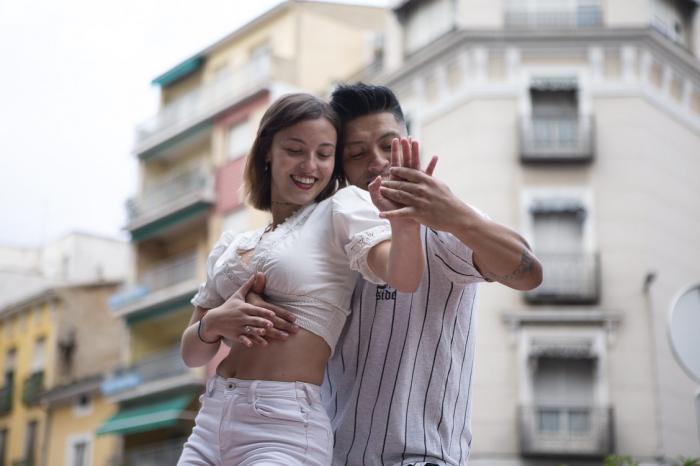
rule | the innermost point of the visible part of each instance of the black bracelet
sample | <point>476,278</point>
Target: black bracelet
<point>199,333</point>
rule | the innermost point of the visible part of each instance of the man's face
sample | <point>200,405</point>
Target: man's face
<point>367,146</point>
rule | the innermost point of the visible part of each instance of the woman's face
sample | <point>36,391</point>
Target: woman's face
<point>302,158</point>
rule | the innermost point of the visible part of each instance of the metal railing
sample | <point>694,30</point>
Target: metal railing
<point>162,365</point>
<point>209,99</point>
<point>582,16</point>
<point>168,273</point>
<point>159,454</point>
<point>565,430</point>
<point>168,191</point>
<point>566,139</point>
<point>33,388</point>
<point>567,278</point>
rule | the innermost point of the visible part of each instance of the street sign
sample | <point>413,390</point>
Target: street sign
<point>684,330</point>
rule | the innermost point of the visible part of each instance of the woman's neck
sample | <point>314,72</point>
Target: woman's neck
<point>281,211</point>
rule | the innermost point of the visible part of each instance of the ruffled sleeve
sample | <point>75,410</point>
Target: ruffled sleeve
<point>207,297</point>
<point>358,228</point>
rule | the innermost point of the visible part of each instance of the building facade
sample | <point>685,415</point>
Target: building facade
<point>56,329</point>
<point>191,157</point>
<point>577,122</point>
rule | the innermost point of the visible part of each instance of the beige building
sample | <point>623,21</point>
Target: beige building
<point>191,157</point>
<point>56,332</point>
<point>577,122</point>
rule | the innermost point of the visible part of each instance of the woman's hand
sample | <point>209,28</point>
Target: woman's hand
<point>245,317</point>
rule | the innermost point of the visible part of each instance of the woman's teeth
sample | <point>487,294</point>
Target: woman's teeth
<point>306,181</point>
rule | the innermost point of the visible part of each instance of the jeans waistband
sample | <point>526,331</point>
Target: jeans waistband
<point>263,388</point>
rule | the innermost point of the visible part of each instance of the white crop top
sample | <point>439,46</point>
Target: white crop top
<point>310,261</point>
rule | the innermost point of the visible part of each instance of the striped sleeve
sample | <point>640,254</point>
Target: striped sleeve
<point>454,258</point>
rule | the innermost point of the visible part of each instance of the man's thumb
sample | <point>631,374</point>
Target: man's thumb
<point>258,283</point>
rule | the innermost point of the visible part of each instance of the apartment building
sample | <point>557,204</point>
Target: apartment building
<point>577,122</point>
<point>191,157</point>
<point>52,300</point>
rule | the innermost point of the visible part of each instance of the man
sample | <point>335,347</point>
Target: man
<point>398,386</point>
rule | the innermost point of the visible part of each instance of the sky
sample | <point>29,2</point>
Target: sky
<point>74,82</point>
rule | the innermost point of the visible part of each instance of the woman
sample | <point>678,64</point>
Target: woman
<point>263,406</point>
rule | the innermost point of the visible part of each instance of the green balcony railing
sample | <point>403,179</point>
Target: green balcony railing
<point>33,388</point>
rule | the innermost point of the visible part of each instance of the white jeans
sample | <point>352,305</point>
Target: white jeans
<point>259,422</point>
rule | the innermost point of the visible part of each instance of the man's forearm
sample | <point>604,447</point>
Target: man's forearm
<point>500,254</point>
<point>406,264</point>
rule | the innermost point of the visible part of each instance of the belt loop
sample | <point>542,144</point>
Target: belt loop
<point>251,391</point>
<point>211,385</point>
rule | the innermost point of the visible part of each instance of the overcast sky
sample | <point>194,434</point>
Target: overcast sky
<point>75,80</point>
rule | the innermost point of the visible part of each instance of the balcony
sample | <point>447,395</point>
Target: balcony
<point>33,388</point>
<point>5,400</point>
<point>169,203</point>
<point>556,140</point>
<point>170,284</point>
<point>586,14</point>
<point>567,279</point>
<point>156,373</point>
<point>207,101</point>
<point>158,454</point>
<point>565,431</point>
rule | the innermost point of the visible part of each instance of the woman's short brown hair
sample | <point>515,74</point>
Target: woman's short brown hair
<point>286,111</point>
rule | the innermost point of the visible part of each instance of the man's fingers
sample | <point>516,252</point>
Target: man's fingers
<point>409,174</point>
<point>405,153</point>
<point>403,212</point>
<point>281,324</point>
<point>402,197</point>
<point>277,334</point>
<point>413,188</point>
<point>395,156</point>
<point>431,166</point>
<point>415,155</point>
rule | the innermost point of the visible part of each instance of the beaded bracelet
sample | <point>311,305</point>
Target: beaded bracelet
<point>199,333</point>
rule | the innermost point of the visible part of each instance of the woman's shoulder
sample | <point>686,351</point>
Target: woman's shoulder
<point>348,197</point>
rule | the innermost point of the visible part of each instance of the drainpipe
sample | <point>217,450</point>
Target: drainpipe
<point>649,279</point>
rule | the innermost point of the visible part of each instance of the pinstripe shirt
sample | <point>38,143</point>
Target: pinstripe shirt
<point>398,386</point>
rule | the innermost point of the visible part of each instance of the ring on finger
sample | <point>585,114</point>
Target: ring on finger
<point>247,329</point>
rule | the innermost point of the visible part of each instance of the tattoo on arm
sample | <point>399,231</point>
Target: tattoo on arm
<point>522,270</point>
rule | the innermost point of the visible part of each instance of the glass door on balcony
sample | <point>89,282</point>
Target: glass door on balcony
<point>569,272</point>
<point>555,118</point>
<point>553,13</point>
<point>563,396</point>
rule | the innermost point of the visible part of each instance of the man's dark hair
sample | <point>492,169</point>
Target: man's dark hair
<point>351,101</point>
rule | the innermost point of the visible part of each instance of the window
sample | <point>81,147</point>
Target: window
<point>30,441</point>
<point>564,394</point>
<point>427,21</point>
<point>10,362</point>
<point>239,139</point>
<point>259,61</point>
<point>553,13</point>
<point>38,356</point>
<point>78,450</point>
<point>82,405</point>
<point>554,115</point>
<point>3,446</point>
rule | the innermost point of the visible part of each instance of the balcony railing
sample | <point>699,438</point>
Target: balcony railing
<point>568,279</point>
<point>565,430</point>
<point>169,195</point>
<point>33,388</point>
<point>172,272</point>
<point>5,400</point>
<point>23,462</point>
<point>210,99</point>
<point>567,139</point>
<point>585,15</point>
<point>159,454</point>
<point>157,367</point>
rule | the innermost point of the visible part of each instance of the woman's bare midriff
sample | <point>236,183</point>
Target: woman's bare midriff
<point>300,358</point>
